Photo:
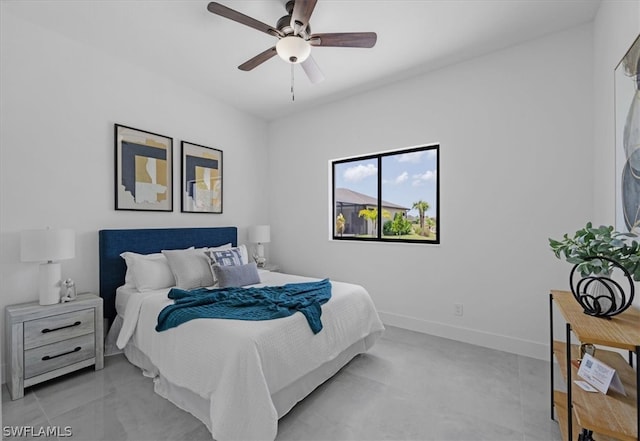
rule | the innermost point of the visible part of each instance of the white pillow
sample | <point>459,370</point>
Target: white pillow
<point>129,260</point>
<point>151,274</point>
<point>147,272</point>
<point>226,246</point>
<point>190,268</point>
<point>244,254</point>
<point>128,276</point>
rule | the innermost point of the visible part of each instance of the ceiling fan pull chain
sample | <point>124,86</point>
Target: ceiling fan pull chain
<point>293,96</point>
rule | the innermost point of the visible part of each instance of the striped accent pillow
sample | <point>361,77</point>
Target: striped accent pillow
<point>231,257</point>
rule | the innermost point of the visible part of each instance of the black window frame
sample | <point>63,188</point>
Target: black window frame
<point>379,231</point>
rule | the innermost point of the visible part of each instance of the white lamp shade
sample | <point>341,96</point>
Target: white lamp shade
<point>260,234</point>
<point>293,49</point>
<point>47,245</point>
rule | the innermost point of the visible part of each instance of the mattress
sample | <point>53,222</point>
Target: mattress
<point>247,374</point>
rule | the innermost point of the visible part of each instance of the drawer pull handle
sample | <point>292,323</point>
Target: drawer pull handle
<point>47,357</point>
<point>45,330</point>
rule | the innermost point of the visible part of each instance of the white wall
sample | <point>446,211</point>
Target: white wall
<point>516,163</point>
<point>526,140</point>
<point>59,102</point>
<point>616,26</point>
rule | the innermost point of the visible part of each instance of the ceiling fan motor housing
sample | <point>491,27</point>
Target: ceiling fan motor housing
<point>289,6</point>
<point>284,25</point>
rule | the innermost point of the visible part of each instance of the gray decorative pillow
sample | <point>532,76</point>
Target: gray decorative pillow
<point>190,268</point>
<point>236,275</point>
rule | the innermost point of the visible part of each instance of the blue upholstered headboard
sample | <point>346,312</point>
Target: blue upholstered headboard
<point>146,241</point>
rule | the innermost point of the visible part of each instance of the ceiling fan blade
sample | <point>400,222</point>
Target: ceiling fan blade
<point>223,11</point>
<point>258,59</point>
<point>312,70</point>
<point>302,10</point>
<point>344,39</point>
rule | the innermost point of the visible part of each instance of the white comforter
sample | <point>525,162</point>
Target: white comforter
<point>237,365</point>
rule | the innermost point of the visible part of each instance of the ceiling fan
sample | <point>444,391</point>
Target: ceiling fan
<point>294,37</point>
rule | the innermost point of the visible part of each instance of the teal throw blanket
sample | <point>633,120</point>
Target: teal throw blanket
<point>266,303</point>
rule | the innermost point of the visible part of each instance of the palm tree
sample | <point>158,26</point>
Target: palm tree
<point>421,206</point>
<point>371,214</point>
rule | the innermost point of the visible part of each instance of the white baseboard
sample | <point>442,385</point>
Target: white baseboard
<point>473,336</point>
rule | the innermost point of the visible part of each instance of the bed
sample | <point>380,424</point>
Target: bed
<point>238,377</point>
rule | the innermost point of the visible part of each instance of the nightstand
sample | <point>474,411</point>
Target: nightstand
<point>44,342</point>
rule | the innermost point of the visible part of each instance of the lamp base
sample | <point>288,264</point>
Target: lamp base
<point>259,256</point>
<point>49,279</point>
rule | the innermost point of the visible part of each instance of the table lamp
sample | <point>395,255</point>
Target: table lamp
<point>260,234</point>
<point>48,246</point>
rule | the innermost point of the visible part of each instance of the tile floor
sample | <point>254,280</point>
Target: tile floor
<point>410,386</point>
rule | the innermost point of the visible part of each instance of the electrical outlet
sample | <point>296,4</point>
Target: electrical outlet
<point>457,309</point>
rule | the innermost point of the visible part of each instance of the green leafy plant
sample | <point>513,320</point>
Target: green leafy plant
<point>604,241</point>
<point>400,225</point>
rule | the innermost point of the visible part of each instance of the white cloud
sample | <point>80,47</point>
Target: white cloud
<point>413,157</point>
<point>402,178</point>
<point>398,180</point>
<point>359,172</point>
<point>428,176</point>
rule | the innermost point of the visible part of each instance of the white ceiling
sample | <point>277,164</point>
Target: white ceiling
<point>182,40</point>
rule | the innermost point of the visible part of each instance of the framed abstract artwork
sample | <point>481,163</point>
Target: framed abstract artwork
<point>627,132</point>
<point>144,170</point>
<point>201,179</point>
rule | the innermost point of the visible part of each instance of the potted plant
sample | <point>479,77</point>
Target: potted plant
<point>595,254</point>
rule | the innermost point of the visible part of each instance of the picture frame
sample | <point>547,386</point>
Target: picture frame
<point>202,179</point>
<point>143,170</point>
<point>627,142</point>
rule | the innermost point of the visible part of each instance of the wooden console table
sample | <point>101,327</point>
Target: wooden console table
<point>601,417</point>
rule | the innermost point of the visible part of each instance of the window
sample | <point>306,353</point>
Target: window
<point>389,197</point>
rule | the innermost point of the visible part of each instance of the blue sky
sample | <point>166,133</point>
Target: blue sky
<point>406,178</point>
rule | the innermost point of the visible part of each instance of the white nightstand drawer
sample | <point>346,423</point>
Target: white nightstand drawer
<point>58,327</point>
<point>54,356</point>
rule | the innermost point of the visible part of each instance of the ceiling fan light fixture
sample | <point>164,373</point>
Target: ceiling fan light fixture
<point>293,49</point>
